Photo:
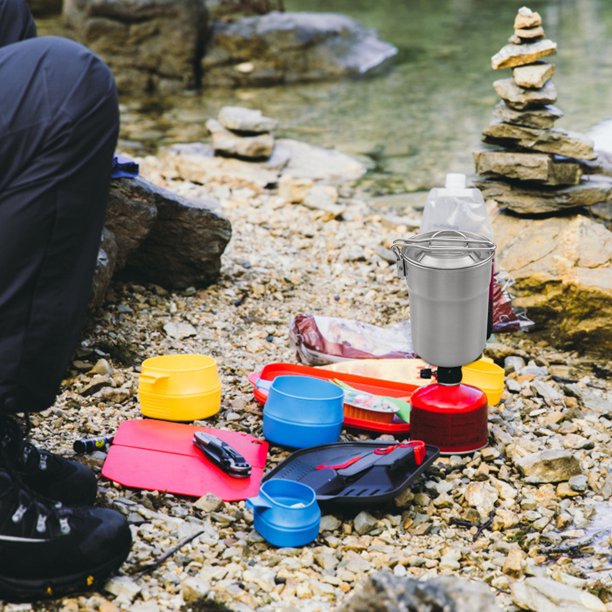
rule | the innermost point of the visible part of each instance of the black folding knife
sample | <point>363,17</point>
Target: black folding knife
<point>222,454</point>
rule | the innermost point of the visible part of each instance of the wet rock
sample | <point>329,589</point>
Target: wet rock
<point>559,142</point>
<point>543,118</point>
<point>290,48</point>
<point>546,595</point>
<point>240,119</point>
<point>561,268</point>
<point>520,98</point>
<point>384,592</point>
<point>225,142</point>
<point>126,35</point>
<point>519,55</point>
<point>549,466</point>
<point>533,75</point>
<point>527,167</point>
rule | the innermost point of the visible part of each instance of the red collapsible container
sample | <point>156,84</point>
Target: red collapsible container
<point>451,417</point>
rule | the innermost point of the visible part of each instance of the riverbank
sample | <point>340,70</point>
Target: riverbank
<point>475,517</point>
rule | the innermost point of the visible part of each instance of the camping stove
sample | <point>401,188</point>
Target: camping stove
<point>448,274</point>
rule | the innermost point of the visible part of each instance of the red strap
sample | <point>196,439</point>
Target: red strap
<point>340,466</point>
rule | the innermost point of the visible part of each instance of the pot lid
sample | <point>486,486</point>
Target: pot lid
<point>444,250</point>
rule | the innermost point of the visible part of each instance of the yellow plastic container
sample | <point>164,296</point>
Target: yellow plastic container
<point>180,407</point>
<point>487,376</point>
<point>179,387</point>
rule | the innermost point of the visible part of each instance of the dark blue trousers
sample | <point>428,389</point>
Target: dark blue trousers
<point>59,122</point>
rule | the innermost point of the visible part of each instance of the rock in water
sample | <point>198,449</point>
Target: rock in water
<point>519,55</point>
<point>384,592</point>
<point>258,146</point>
<point>149,44</point>
<point>239,119</point>
<point>546,595</point>
<point>290,48</point>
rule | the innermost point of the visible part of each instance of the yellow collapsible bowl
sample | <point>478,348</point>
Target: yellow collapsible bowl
<point>179,387</point>
<point>487,376</point>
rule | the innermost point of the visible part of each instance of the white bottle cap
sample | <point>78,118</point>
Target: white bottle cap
<point>455,181</point>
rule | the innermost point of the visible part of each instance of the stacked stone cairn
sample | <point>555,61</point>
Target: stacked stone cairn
<point>243,133</point>
<point>534,168</point>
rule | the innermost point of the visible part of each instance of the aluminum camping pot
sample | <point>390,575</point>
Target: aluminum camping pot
<point>448,274</point>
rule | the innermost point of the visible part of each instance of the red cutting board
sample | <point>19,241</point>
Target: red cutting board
<point>160,456</point>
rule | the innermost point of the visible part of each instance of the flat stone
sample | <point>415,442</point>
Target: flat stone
<point>560,142</point>
<point>549,466</point>
<point>519,55</point>
<point>526,18</point>
<point>544,117</point>
<point>312,162</point>
<point>533,76</point>
<point>529,33</point>
<point>240,119</point>
<point>547,595</point>
<point>538,167</point>
<point>259,146</point>
<point>532,201</point>
<point>520,98</point>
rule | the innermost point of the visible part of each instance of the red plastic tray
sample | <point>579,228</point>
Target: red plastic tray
<point>363,383</point>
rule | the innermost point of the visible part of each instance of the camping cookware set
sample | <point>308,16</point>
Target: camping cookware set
<point>448,274</point>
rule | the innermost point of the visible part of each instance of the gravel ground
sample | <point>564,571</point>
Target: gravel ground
<point>478,516</point>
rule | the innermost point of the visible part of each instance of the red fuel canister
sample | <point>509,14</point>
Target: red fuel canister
<point>451,417</point>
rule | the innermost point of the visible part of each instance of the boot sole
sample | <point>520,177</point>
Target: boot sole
<point>14,589</point>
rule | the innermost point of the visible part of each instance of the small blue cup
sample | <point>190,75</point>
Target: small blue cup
<point>286,513</point>
<point>303,411</point>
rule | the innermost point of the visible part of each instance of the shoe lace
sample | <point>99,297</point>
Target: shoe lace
<point>29,500</point>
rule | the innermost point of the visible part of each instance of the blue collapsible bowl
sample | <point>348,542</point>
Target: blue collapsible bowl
<point>286,513</point>
<point>303,411</point>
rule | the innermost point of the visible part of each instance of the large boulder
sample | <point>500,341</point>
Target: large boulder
<point>185,244</point>
<point>149,44</point>
<point>562,269</point>
<point>157,236</point>
<point>289,48</point>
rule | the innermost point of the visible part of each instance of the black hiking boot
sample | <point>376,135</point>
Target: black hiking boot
<point>47,474</point>
<point>50,550</point>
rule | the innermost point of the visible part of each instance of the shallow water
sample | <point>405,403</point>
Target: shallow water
<point>423,116</point>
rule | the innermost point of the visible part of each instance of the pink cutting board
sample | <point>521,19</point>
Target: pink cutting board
<point>160,456</point>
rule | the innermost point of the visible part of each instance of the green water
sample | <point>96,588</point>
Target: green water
<point>423,116</point>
